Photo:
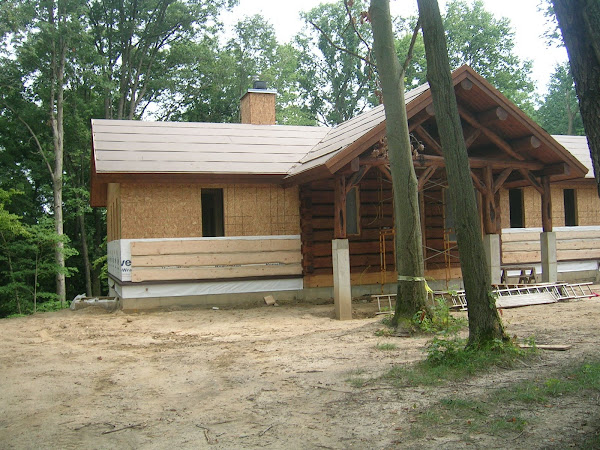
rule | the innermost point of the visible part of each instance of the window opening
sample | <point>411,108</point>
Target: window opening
<point>212,213</point>
<point>570,207</point>
<point>515,202</point>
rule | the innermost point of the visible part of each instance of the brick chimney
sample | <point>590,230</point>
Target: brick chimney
<point>257,106</point>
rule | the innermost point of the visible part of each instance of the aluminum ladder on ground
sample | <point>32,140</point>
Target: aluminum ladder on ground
<point>560,291</point>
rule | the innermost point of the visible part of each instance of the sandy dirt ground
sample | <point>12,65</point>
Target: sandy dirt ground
<point>272,377</point>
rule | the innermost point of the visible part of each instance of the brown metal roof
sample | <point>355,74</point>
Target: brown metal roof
<point>125,146</point>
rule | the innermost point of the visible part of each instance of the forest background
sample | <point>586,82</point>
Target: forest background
<point>64,62</point>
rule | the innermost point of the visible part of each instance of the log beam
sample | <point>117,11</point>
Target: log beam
<point>429,140</point>
<point>421,117</point>
<point>479,163</point>
<point>492,136</point>
<point>492,115</point>
<point>472,137</point>
<point>425,176</point>
<point>526,144</point>
<point>499,181</point>
<point>532,180</point>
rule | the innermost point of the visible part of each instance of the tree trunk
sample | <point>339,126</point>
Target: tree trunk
<point>484,321</point>
<point>57,121</point>
<point>85,254</point>
<point>409,251</point>
<point>579,22</point>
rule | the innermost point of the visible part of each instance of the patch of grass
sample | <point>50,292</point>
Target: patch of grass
<point>386,346</point>
<point>504,412</point>
<point>440,321</point>
<point>449,360</point>
<point>384,332</point>
<point>355,378</point>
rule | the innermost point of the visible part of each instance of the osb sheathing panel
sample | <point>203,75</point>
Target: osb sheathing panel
<point>113,212</point>
<point>588,206</point>
<point>558,207</point>
<point>160,211</point>
<point>257,210</point>
<point>175,210</point>
<point>587,209</point>
<point>532,203</point>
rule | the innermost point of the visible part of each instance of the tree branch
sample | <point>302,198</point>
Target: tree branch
<point>37,142</point>
<point>341,49</point>
<point>409,55</point>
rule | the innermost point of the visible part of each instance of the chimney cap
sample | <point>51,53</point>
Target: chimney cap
<point>259,84</point>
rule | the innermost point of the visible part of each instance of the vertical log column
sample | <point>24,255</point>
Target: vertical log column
<point>491,239</point>
<point>340,252</point>
<point>548,237</point>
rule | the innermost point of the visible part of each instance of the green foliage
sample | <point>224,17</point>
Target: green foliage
<point>344,84</point>
<point>27,264</point>
<point>559,111</point>
<point>440,320</point>
<point>477,38</point>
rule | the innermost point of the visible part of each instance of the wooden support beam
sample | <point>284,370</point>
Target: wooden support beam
<point>466,85</point>
<point>472,137</point>
<point>429,140</point>
<point>532,180</point>
<point>492,115</point>
<point>497,140</point>
<point>339,208</point>
<point>479,163</point>
<point>526,144</point>
<point>556,169</point>
<point>421,117</point>
<point>546,205</point>
<point>425,176</point>
<point>355,164</point>
<point>499,181</point>
<point>355,178</point>
<point>386,172</point>
<point>479,185</point>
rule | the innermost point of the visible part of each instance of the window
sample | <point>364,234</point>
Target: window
<point>515,203</point>
<point>212,212</point>
<point>352,211</point>
<point>570,207</point>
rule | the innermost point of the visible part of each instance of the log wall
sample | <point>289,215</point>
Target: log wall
<point>376,213</point>
<point>435,258</point>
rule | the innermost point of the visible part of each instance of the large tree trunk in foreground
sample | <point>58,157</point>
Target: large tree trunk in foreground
<point>409,251</point>
<point>579,22</point>
<point>484,321</point>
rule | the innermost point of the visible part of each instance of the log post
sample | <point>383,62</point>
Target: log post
<point>548,237</point>
<point>342,288</point>
<point>339,206</point>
